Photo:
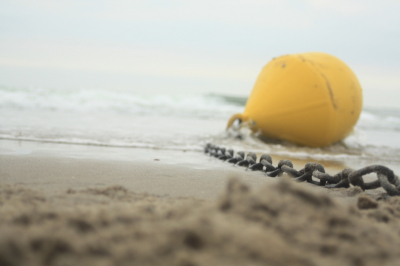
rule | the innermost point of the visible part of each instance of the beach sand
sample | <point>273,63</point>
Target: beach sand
<point>80,205</point>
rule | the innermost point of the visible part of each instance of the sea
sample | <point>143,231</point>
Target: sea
<point>124,119</point>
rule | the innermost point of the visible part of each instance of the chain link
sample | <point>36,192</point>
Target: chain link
<point>386,177</point>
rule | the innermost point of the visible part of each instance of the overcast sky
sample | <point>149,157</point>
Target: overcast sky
<point>175,47</point>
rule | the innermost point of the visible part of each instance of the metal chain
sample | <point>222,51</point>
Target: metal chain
<point>386,177</point>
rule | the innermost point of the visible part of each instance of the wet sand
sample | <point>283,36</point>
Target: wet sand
<point>155,176</point>
<point>105,206</point>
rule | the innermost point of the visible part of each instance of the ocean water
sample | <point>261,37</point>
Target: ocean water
<point>125,119</point>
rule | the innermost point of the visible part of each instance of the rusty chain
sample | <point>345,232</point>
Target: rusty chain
<point>386,177</point>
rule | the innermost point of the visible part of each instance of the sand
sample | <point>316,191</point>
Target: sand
<point>279,224</point>
<point>49,173</point>
<point>58,209</point>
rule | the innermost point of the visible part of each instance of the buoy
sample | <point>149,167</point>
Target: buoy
<point>312,99</point>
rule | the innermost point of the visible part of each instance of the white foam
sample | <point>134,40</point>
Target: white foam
<point>123,119</point>
<point>383,120</point>
<point>90,101</point>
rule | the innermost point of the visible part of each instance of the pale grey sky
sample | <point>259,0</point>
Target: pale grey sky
<point>182,47</point>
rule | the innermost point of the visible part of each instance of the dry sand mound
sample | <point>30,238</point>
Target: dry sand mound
<point>280,224</point>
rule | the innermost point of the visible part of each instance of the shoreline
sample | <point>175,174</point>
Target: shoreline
<point>59,167</point>
<point>161,172</point>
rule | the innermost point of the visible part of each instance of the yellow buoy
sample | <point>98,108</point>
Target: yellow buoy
<point>312,99</point>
